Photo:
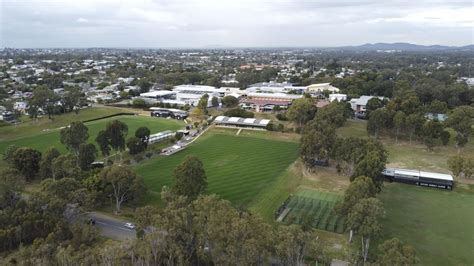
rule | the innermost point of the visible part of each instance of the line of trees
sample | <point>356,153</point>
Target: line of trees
<point>406,115</point>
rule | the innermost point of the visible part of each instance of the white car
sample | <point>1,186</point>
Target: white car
<point>129,225</point>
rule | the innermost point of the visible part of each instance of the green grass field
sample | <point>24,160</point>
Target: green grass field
<point>316,208</point>
<point>438,223</point>
<point>238,168</point>
<point>41,140</point>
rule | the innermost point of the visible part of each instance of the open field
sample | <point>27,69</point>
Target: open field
<point>315,208</point>
<point>41,140</point>
<point>438,223</point>
<point>237,167</point>
<point>33,126</point>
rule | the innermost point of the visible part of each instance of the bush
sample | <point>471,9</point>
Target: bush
<point>140,103</point>
<point>230,101</point>
<point>237,112</point>
<point>138,158</point>
<point>127,162</point>
<point>148,155</point>
<point>281,128</point>
<point>270,127</point>
<point>282,117</point>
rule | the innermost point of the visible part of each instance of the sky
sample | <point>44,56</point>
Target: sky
<point>232,23</point>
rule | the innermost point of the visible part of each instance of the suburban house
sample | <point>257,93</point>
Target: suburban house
<point>359,104</point>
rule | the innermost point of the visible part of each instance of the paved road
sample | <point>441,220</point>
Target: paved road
<point>111,227</point>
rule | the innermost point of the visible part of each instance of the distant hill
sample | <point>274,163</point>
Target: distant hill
<point>405,47</point>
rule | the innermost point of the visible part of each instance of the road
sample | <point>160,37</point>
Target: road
<point>111,227</point>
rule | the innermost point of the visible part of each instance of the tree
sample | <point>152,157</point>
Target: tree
<point>214,101</point>
<point>462,121</point>
<point>46,164</point>
<point>116,132</point>
<point>301,111</point>
<point>202,104</point>
<point>361,188</point>
<point>394,252</point>
<point>377,120</point>
<point>27,160</point>
<point>190,178</point>
<point>372,105</point>
<point>66,166</point>
<point>431,132</point>
<point>103,142</point>
<point>71,99</point>
<point>414,122</point>
<point>371,163</point>
<point>8,153</point>
<point>143,133</point>
<point>87,154</point>
<point>144,85</point>
<point>135,145</point>
<point>73,136</point>
<point>399,121</point>
<point>317,141</point>
<point>43,98</point>
<point>230,101</point>
<point>294,245</point>
<point>438,107</point>
<point>364,218</point>
<point>11,183</point>
<point>124,184</point>
<point>335,113</point>
<point>238,112</point>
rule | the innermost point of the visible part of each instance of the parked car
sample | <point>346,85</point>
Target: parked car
<point>129,225</point>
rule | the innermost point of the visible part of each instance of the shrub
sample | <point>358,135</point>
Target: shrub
<point>149,155</point>
<point>138,158</point>
<point>230,101</point>
<point>281,128</point>
<point>282,117</point>
<point>270,127</point>
<point>140,103</point>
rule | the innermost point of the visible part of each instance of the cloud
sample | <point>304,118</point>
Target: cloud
<point>185,23</point>
<point>82,20</point>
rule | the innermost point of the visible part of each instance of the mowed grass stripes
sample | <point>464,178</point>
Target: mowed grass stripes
<point>237,167</point>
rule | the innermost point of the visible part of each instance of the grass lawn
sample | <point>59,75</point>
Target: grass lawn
<point>238,168</point>
<point>41,140</point>
<point>438,223</point>
<point>29,126</point>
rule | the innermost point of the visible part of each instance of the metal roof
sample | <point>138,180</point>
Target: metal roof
<point>241,121</point>
<point>417,173</point>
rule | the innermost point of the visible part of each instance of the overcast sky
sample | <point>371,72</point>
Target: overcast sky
<point>232,23</point>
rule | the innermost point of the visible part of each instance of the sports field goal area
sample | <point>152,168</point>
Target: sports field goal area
<point>313,207</point>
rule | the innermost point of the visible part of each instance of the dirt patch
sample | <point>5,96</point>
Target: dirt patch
<point>321,178</point>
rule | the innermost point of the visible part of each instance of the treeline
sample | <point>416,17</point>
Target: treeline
<point>406,117</point>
